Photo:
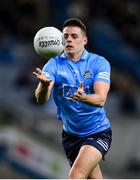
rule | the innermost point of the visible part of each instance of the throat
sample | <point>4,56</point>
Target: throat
<point>75,57</point>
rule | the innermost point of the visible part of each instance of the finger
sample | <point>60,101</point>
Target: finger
<point>76,96</point>
<point>82,85</point>
<point>72,100</point>
<point>36,74</point>
<point>47,82</point>
<point>80,91</point>
<point>39,71</point>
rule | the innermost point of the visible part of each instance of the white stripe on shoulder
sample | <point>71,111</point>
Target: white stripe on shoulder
<point>104,73</point>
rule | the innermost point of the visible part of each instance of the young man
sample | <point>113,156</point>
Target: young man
<point>81,82</point>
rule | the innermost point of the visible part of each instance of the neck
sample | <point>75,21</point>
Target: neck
<point>75,57</point>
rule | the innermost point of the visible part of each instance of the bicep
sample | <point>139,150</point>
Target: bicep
<point>101,88</point>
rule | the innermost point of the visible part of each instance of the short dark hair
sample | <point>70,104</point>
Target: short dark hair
<point>75,22</point>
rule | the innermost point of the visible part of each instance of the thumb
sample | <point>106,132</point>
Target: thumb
<point>81,85</point>
<point>81,88</point>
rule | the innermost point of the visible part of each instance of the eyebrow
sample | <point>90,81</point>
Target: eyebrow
<point>70,34</point>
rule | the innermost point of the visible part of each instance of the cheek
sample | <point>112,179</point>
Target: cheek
<point>80,44</point>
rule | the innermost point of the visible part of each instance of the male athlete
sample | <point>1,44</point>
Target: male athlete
<point>80,82</point>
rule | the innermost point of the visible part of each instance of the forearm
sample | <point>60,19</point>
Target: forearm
<point>93,99</point>
<point>42,93</point>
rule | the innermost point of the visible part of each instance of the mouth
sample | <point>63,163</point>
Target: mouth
<point>69,47</point>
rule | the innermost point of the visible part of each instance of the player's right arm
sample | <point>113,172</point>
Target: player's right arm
<point>43,90</point>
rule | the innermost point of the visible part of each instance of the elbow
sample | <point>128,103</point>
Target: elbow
<point>101,102</point>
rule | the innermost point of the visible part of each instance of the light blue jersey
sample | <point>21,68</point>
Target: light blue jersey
<point>78,118</point>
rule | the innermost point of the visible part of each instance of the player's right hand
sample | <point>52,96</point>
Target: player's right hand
<point>79,95</point>
<point>42,77</point>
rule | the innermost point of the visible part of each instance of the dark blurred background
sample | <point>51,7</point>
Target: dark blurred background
<point>30,135</point>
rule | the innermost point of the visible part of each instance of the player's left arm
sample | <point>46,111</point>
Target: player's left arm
<point>99,97</point>
<point>101,85</point>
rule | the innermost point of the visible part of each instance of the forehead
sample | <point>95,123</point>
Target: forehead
<point>72,30</point>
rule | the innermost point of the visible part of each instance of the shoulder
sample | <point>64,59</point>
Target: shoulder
<point>53,60</point>
<point>97,57</point>
<point>50,64</point>
<point>57,59</point>
<point>99,63</point>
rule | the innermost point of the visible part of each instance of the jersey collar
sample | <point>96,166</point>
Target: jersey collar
<point>84,55</point>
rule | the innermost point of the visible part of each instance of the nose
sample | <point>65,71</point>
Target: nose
<point>69,39</point>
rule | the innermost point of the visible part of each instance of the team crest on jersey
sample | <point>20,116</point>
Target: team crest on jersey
<point>87,74</point>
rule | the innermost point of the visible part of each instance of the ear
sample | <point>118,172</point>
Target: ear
<point>85,40</point>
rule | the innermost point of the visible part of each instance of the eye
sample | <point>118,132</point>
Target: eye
<point>65,36</point>
<point>74,36</point>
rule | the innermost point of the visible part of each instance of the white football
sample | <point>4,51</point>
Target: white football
<point>49,42</point>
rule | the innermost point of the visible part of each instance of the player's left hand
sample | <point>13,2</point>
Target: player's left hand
<point>79,95</point>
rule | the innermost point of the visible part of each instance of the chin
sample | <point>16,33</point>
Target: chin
<point>69,51</point>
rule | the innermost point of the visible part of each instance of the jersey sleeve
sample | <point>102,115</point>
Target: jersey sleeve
<point>103,70</point>
<point>50,69</point>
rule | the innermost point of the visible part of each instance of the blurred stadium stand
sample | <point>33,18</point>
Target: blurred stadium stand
<point>114,32</point>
